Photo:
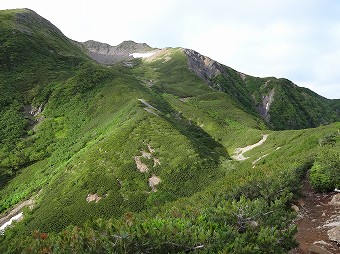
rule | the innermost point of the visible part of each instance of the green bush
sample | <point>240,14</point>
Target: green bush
<point>325,173</point>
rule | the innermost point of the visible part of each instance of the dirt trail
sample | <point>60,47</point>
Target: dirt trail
<point>314,213</point>
<point>238,153</point>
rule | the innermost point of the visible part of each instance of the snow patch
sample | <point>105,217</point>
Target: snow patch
<point>142,55</point>
<point>10,221</point>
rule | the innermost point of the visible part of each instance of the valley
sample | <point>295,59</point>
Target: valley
<point>130,151</point>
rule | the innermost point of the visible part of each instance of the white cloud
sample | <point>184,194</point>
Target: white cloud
<point>298,40</point>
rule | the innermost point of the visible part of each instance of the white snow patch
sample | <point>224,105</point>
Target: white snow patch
<point>142,55</point>
<point>9,222</point>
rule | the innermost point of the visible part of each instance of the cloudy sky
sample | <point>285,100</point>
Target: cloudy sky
<point>298,40</point>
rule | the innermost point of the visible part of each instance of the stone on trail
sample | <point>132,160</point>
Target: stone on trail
<point>334,234</point>
<point>335,200</point>
<point>318,250</point>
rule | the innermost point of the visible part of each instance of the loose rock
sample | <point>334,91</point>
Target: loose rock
<point>334,234</point>
<point>318,250</point>
<point>335,200</point>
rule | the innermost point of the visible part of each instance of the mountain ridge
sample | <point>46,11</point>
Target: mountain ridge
<point>137,156</point>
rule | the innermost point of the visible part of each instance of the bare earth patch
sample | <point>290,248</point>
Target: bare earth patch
<point>146,154</point>
<point>140,165</point>
<point>156,162</point>
<point>238,153</point>
<point>93,197</point>
<point>185,99</point>
<point>153,181</point>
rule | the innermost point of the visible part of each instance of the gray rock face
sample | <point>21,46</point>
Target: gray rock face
<point>204,67</point>
<point>267,100</point>
<point>334,234</point>
<point>104,53</point>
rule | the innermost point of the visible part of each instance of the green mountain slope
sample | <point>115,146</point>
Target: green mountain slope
<point>282,104</point>
<point>138,155</point>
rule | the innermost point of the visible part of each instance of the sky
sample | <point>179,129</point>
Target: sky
<point>297,40</point>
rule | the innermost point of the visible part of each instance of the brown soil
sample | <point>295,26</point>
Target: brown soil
<point>314,213</point>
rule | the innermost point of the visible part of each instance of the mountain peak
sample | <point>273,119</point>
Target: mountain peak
<point>104,53</point>
<point>28,21</point>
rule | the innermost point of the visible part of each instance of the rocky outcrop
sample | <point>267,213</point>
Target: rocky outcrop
<point>104,53</point>
<point>153,181</point>
<point>264,107</point>
<point>33,114</point>
<point>204,67</point>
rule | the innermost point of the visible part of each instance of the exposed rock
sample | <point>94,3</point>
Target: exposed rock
<point>204,67</point>
<point>128,64</point>
<point>335,200</point>
<point>140,165</point>
<point>318,249</point>
<point>27,18</point>
<point>253,223</point>
<point>166,59</point>
<point>322,243</point>
<point>153,181</point>
<point>146,154</point>
<point>185,99</point>
<point>267,100</point>
<point>32,114</point>
<point>334,234</point>
<point>151,150</point>
<point>332,224</point>
<point>104,53</point>
<point>242,75</point>
<point>296,208</point>
<point>156,162</point>
<point>93,197</point>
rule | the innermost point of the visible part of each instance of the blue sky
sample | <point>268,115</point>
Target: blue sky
<point>298,40</point>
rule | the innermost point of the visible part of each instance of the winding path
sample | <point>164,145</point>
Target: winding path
<point>238,153</point>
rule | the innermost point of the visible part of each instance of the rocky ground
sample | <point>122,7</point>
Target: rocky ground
<point>318,222</point>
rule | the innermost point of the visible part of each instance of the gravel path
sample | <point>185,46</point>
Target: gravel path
<point>238,153</point>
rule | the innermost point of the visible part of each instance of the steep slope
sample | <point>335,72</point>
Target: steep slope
<point>137,156</point>
<point>89,109</point>
<point>282,104</point>
<point>33,55</point>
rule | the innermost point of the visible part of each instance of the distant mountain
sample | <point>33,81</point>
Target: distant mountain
<point>106,54</point>
<point>133,149</point>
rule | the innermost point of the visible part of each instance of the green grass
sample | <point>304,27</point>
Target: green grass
<point>93,125</point>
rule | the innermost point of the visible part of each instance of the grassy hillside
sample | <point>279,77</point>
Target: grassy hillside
<point>139,159</point>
